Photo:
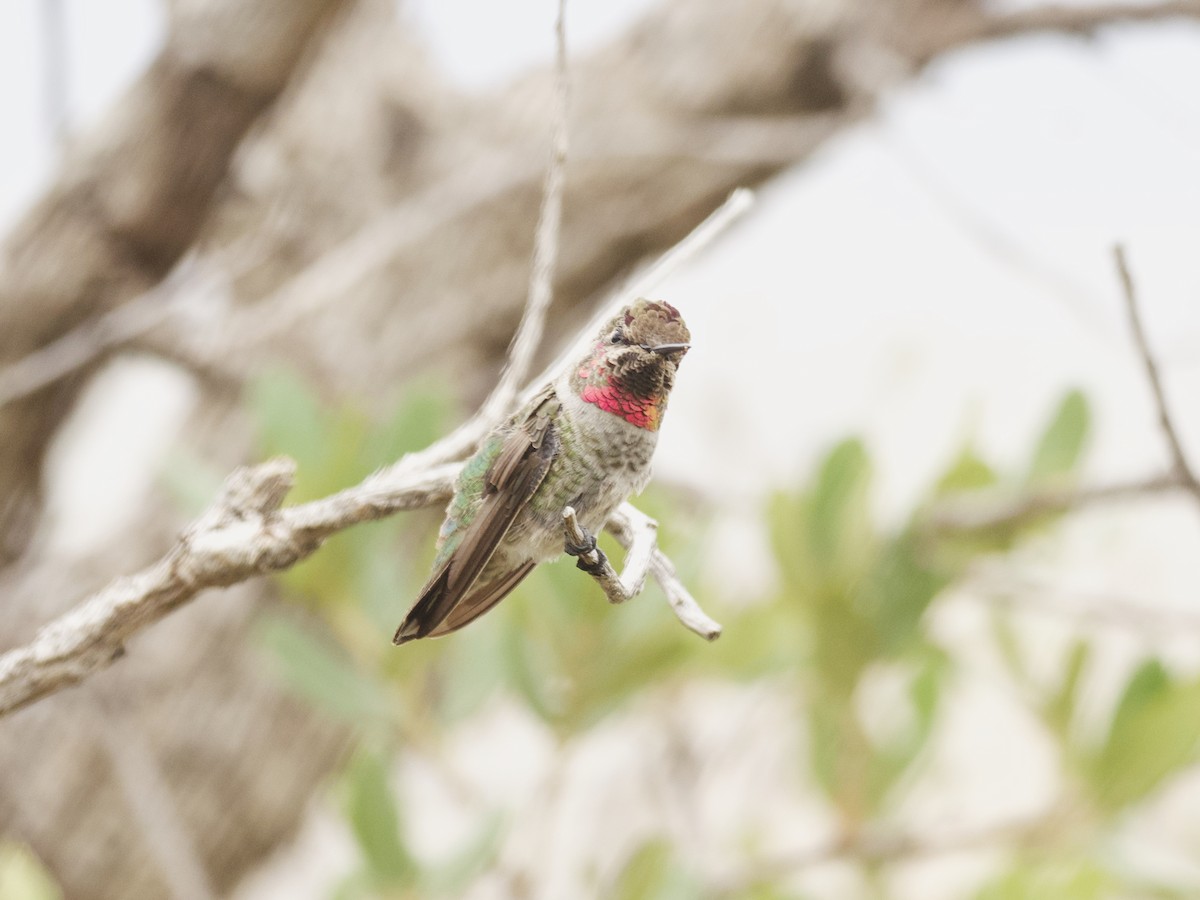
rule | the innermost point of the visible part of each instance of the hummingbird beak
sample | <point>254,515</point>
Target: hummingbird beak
<point>667,349</point>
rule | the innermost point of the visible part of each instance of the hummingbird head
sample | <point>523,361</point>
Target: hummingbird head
<point>630,369</point>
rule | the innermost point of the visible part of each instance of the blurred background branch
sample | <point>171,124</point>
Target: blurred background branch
<point>1181,471</point>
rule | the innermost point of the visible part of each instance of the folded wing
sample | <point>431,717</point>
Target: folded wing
<point>452,598</point>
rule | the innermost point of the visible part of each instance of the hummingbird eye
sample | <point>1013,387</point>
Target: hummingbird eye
<point>617,337</point>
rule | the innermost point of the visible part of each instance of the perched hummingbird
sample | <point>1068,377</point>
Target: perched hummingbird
<point>584,441</point>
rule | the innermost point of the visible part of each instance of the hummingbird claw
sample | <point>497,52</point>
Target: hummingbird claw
<point>584,549</point>
<point>588,545</point>
<point>595,569</point>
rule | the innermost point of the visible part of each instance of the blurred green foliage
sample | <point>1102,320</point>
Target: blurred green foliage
<point>22,876</point>
<point>651,870</point>
<point>847,615</point>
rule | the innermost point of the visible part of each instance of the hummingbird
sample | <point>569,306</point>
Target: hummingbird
<point>585,440</point>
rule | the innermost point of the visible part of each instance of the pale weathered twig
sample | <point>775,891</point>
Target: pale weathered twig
<point>243,534</point>
<point>464,439</point>
<point>618,588</point>
<point>545,250</point>
<point>1179,464</point>
<point>636,532</point>
<point>736,205</point>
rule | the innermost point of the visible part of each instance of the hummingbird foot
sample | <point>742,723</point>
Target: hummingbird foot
<point>591,558</point>
<point>595,569</point>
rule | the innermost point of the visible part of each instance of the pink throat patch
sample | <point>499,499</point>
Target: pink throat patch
<point>640,411</point>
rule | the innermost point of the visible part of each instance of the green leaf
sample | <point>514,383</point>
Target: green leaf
<point>643,871</point>
<point>1148,683</point>
<point>838,520</point>
<point>1061,879</point>
<point>383,571</point>
<point>290,420</point>
<point>475,668</point>
<point>421,417</point>
<point>1155,731</point>
<point>313,669</point>
<point>898,590</point>
<point>192,482</point>
<point>894,760</point>
<point>1059,708</point>
<point>22,876</point>
<point>925,692</point>
<point>651,873</point>
<point>525,660</point>
<point>1009,645</point>
<point>968,472</point>
<point>839,753</point>
<point>355,886</point>
<point>1063,440</point>
<point>375,820</point>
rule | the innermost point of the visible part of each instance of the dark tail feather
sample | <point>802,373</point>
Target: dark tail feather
<point>427,613</point>
<point>404,634</point>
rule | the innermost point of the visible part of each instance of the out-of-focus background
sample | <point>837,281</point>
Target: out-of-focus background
<point>236,228</point>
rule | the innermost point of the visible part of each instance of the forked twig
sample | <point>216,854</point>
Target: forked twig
<point>618,588</point>
<point>545,249</point>
<point>983,510</point>
<point>1182,471</point>
<point>637,533</point>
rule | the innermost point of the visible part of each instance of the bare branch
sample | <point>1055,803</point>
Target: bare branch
<point>683,604</point>
<point>149,797</point>
<point>985,510</point>
<point>464,439</point>
<point>242,535</point>
<point>131,199</point>
<point>618,588</point>
<point>736,205</point>
<point>972,23</point>
<point>189,284</point>
<point>1081,20</point>
<point>1179,464</point>
<point>78,348</point>
<point>545,252</point>
<point>636,532</point>
<point>998,585</point>
<point>877,846</point>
